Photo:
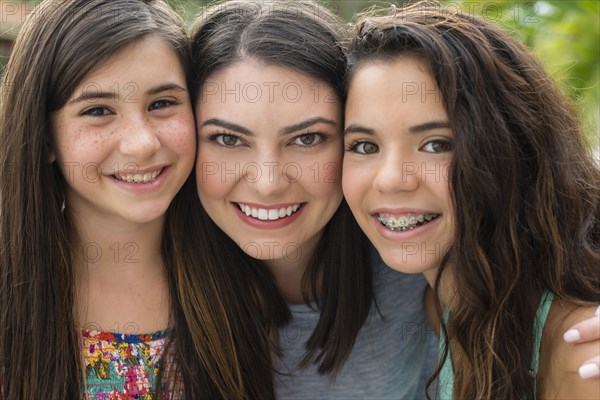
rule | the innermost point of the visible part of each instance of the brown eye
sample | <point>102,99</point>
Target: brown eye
<point>97,112</point>
<point>225,140</point>
<point>157,105</point>
<point>229,140</point>
<point>437,146</point>
<point>364,148</point>
<point>309,139</point>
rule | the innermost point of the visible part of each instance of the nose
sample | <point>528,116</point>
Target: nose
<point>396,174</point>
<point>139,138</point>
<point>270,176</point>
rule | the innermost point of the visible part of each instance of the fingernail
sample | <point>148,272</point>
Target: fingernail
<point>597,311</point>
<point>589,371</point>
<point>572,335</point>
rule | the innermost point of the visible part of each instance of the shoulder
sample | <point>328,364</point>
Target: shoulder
<point>560,361</point>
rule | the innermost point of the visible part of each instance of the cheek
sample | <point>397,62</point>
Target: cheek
<point>66,140</point>
<point>353,183</point>
<point>347,180</point>
<point>76,147</point>
<point>209,176</point>
<point>209,183</point>
<point>180,131</point>
<point>208,172</point>
<point>442,186</point>
<point>323,175</point>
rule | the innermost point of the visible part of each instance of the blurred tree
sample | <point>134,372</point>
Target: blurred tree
<point>564,36</point>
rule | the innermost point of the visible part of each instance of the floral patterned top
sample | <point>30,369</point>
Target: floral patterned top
<point>122,366</point>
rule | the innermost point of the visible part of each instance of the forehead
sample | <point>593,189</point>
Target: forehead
<point>140,61</point>
<point>402,89</point>
<point>252,89</point>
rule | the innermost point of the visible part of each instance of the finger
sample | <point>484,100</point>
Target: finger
<point>584,331</point>
<point>590,369</point>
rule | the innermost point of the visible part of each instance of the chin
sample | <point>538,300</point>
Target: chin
<point>403,262</point>
<point>144,217</point>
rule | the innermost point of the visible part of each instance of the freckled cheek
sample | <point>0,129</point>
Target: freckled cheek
<point>61,142</point>
<point>181,132</point>
<point>81,144</point>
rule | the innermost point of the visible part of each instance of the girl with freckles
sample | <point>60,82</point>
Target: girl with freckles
<point>508,233</point>
<point>104,290</point>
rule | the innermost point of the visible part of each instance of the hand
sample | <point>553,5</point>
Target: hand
<point>585,332</point>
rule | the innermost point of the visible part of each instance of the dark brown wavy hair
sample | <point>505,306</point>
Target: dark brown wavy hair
<point>525,188</point>
<point>305,37</point>
<point>61,42</point>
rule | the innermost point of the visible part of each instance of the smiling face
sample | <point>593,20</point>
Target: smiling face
<point>269,157</point>
<point>396,166</point>
<point>125,139</point>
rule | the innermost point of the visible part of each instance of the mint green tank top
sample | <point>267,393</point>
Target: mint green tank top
<point>446,377</point>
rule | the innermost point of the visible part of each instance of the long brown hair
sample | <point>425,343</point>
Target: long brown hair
<point>525,188</point>
<point>61,42</point>
<point>305,37</point>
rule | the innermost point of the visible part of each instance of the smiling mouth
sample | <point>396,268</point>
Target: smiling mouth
<point>148,177</point>
<point>405,222</point>
<point>269,214</point>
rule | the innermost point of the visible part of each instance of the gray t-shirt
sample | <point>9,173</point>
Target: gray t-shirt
<point>391,358</point>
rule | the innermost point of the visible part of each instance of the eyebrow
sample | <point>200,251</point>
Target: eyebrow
<point>92,94</point>
<point>306,124</point>
<point>285,131</point>
<point>227,125</point>
<point>428,126</point>
<point>355,128</point>
<point>167,87</point>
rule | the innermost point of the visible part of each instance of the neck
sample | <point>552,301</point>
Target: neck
<point>120,275</point>
<point>289,273</point>
<point>113,247</point>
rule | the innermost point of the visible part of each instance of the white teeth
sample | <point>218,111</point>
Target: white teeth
<point>140,178</point>
<point>271,214</point>
<point>263,214</point>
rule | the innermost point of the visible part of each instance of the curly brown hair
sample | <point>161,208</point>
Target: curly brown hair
<point>525,188</point>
